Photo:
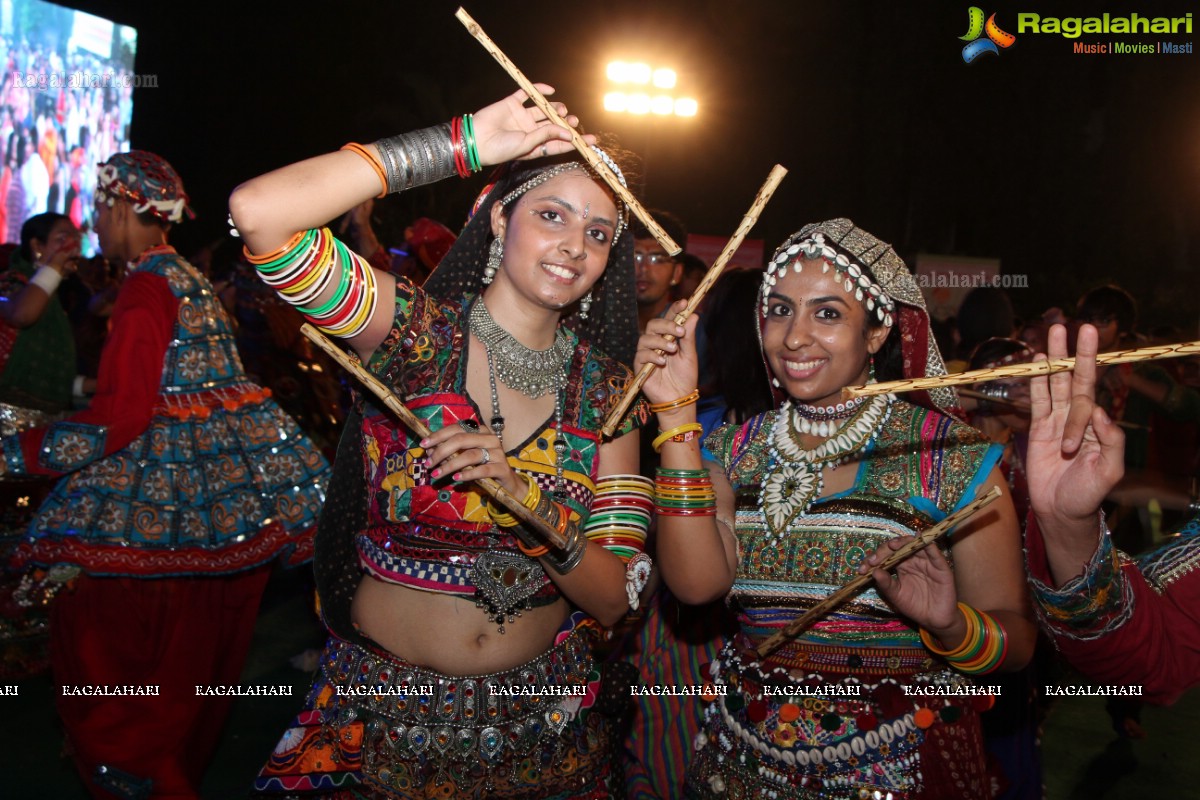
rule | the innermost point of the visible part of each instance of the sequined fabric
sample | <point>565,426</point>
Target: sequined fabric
<point>220,481</point>
<point>377,724</point>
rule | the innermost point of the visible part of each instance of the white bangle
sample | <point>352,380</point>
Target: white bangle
<point>77,386</point>
<point>46,278</point>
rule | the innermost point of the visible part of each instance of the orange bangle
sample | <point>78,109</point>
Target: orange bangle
<point>678,402</point>
<point>533,552</point>
<point>358,149</point>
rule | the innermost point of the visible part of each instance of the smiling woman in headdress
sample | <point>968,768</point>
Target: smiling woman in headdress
<point>779,512</point>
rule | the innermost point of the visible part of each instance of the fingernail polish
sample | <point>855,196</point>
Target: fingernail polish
<point>437,473</point>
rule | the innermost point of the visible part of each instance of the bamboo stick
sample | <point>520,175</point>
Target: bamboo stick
<point>923,540</point>
<point>714,272</point>
<point>582,146</point>
<point>1026,370</point>
<point>418,426</point>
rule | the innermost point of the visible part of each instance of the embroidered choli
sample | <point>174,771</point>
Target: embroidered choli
<point>921,467</point>
<point>427,534</point>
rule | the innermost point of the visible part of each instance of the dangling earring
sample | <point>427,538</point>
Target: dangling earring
<point>871,370</point>
<point>585,305</point>
<point>495,253</point>
<point>775,383</point>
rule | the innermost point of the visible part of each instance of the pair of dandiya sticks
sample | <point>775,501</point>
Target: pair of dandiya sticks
<point>554,537</point>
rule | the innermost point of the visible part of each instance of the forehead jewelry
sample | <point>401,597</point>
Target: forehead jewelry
<point>587,210</point>
<point>855,278</point>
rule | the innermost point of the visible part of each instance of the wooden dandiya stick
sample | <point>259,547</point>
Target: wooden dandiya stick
<point>710,277</point>
<point>589,155</point>
<point>418,426</point>
<point>923,540</point>
<point>1026,370</point>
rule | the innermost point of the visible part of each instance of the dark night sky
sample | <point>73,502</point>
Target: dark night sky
<point>1073,169</point>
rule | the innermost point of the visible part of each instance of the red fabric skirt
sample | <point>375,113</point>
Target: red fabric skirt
<point>173,633</point>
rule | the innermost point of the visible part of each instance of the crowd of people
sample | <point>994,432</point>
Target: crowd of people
<point>60,114</point>
<point>473,653</point>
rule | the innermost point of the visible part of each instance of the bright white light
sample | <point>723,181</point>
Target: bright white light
<point>618,71</point>
<point>639,73</point>
<point>616,101</point>
<point>663,104</point>
<point>639,103</point>
<point>664,78</point>
<point>686,107</point>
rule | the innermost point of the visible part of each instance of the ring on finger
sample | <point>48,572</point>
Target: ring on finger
<point>486,458</point>
<point>469,425</point>
<point>544,151</point>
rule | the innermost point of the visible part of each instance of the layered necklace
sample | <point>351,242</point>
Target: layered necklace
<point>531,372</point>
<point>795,473</point>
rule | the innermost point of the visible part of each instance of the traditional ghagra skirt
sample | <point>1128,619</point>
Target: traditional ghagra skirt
<point>376,726</point>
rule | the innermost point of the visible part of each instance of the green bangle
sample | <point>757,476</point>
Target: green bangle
<point>476,164</point>
<point>663,472</point>
<point>343,287</point>
<point>290,256</point>
<point>708,502</point>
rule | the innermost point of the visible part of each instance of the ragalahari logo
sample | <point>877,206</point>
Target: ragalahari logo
<point>976,27</point>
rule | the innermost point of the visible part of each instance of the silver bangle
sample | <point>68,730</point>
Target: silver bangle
<point>567,559</point>
<point>417,158</point>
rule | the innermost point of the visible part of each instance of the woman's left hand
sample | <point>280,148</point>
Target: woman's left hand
<point>470,455</point>
<point>921,588</point>
<point>509,130</point>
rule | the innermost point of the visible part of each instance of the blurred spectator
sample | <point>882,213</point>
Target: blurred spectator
<point>657,272</point>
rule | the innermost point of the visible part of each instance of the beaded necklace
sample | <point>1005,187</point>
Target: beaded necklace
<point>795,473</point>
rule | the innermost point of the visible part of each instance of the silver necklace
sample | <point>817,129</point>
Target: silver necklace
<point>560,446</point>
<point>531,372</point>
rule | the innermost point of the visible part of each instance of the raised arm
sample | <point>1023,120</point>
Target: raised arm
<point>1076,457</point>
<point>271,211</point>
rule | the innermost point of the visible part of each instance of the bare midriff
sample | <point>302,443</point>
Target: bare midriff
<point>450,634</point>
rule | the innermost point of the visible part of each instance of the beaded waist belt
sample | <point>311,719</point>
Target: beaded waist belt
<point>410,711</point>
<point>865,661</point>
<point>848,731</point>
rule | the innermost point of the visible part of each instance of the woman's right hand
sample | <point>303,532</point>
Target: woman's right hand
<point>469,453</point>
<point>676,361</point>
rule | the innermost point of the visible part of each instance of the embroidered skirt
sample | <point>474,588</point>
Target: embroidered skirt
<point>375,725</point>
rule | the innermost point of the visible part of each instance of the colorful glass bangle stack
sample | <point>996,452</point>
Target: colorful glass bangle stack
<point>983,648</point>
<point>462,141</point>
<point>302,269</point>
<point>679,402</point>
<point>684,493</point>
<point>565,521</point>
<point>680,433</point>
<point>620,515</point>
